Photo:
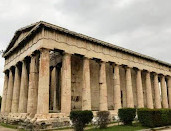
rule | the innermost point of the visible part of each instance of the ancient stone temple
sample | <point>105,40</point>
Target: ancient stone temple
<point>50,71</point>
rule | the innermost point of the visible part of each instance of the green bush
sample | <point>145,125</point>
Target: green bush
<point>80,119</point>
<point>154,117</point>
<point>103,118</point>
<point>127,115</point>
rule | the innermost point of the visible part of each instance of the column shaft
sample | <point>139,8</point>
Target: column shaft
<point>66,84</point>
<point>117,89</point>
<point>164,92</point>
<point>23,89</point>
<point>86,90</point>
<point>53,88</point>
<point>16,91</point>
<point>43,86</point>
<point>4,96</point>
<point>129,92</point>
<point>169,91</point>
<point>9,92</point>
<point>149,91</point>
<point>103,88</point>
<point>140,99</point>
<point>157,92</point>
<point>33,85</point>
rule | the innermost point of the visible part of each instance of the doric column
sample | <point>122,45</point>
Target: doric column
<point>149,91</point>
<point>9,92</point>
<point>53,88</point>
<point>117,88</point>
<point>5,89</point>
<point>164,92</point>
<point>103,87</point>
<point>16,90</point>
<point>157,92</point>
<point>43,86</point>
<point>86,90</point>
<point>129,92</point>
<point>169,90</point>
<point>33,85</point>
<point>66,84</point>
<point>140,100</point>
<point>23,89</point>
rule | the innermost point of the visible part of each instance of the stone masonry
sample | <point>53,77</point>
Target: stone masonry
<point>50,71</point>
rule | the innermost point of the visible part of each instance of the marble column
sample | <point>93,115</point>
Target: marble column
<point>16,90</point>
<point>157,92</point>
<point>149,91</point>
<point>86,90</point>
<point>140,99</point>
<point>9,92</point>
<point>53,88</point>
<point>129,91</point>
<point>23,89</point>
<point>43,85</point>
<point>33,85</point>
<point>103,87</point>
<point>66,84</point>
<point>117,88</point>
<point>164,92</point>
<point>5,88</point>
<point>169,90</point>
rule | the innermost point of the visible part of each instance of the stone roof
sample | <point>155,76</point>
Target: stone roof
<point>33,27</point>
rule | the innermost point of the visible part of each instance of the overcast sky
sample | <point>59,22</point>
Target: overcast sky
<point>140,25</point>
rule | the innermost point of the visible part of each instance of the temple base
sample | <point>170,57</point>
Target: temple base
<point>42,121</point>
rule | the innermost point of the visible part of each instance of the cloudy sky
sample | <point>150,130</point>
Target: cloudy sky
<point>140,25</point>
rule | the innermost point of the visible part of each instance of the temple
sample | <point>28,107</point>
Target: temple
<point>50,71</point>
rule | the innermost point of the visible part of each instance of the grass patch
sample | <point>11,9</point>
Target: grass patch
<point>134,127</point>
<point>8,126</point>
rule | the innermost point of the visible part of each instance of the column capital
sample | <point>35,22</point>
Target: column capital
<point>147,71</point>
<point>126,66</point>
<point>103,62</point>
<point>34,54</point>
<point>85,57</point>
<point>115,64</point>
<point>6,71</point>
<point>154,73</point>
<point>137,69</point>
<point>43,49</point>
<point>168,77</point>
<point>66,53</point>
<point>161,75</point>
<point>11,68</point>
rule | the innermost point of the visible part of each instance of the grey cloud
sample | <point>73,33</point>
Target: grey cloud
<point>140,25</point>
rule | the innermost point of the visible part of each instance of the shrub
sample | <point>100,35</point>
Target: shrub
<point>103,118</point>
<point>154,117</point>
<point>127,115</point>
<point>80,119</point>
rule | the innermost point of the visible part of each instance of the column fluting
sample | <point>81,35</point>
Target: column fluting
<point>140,99</point>
<point>33,85</point>
<point>9,92</point>
<point>66,84</point>
<point>164,92</point>
<point>169,90</point>
<point>149,91</point>
<point>86,90</point>
<point>157,92</point>
<point>43,84</point>
<point>5,89</point>
<point>103,87</point>
<point>16,90</point>
<point>117,88</point>
<point>129,91</point>
<point>23,89</point>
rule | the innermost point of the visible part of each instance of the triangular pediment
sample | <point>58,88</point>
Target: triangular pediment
<point>19,36</point>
